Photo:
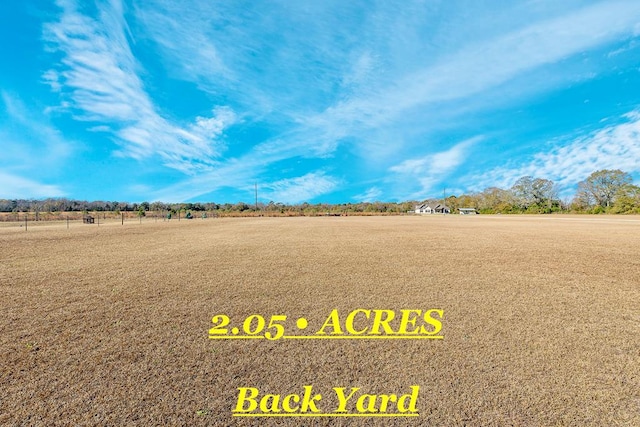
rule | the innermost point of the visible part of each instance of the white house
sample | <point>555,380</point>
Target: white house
<point>426,208</point>
<point>467,211</point>
<point>423,208</point>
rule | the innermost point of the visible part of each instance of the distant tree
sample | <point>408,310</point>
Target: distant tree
<point>97,205</point>
<point>469,201</point>
<point>495,200</point>
<point>48,205</point>
<point>157,206</point>
<point>601,187</point>
<point>6,205</point>
<point>522,190</point>
<point>627,199</point>
<point>543,191</point>
<point>241,207</point>
<point>405,207</point>
<point>535,194</point>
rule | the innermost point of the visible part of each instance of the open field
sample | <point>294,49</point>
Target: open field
<point>108,325</point>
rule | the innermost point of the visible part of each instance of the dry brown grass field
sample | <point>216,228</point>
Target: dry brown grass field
<point>108,325</point>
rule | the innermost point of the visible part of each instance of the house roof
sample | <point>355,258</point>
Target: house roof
<point>431,206</point>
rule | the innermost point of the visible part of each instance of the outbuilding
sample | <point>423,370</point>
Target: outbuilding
<point>468,211</point>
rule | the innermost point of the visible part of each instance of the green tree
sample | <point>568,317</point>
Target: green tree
<point>627,199</point>
<point>494,200</point>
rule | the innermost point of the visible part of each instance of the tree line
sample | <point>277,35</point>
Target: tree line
<point>604,191</point>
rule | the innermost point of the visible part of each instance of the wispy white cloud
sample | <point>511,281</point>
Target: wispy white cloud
<point>378,83</point>
<point>374,95</point>
<point>631,45</point>
<point>98,78</point>
<point>17,187</point>
<point>488,63</point>
<point>363,80</point>
<point>428,171</point>
<point>30,141</point>
<point>184,35</point>
<point>569,162</point>
<point>32,151</point>
<point>231,174</point>
<point>299,189</point>
<point>52,78</point>
<point>371,195</point>
<point>242,175</point>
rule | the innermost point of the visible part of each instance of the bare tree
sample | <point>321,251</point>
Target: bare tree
<point>530,191</point>
<point>600,188</point>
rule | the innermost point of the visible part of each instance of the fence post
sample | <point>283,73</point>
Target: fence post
<point>25,221</point>
<point>122,213</point>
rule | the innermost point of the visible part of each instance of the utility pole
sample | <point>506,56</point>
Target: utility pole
<point>444,200</point>
<point>256,197</point>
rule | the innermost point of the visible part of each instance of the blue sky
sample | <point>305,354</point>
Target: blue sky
<point>315,101</point>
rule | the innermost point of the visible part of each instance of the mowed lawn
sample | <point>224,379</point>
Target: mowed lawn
<point>108,325</point>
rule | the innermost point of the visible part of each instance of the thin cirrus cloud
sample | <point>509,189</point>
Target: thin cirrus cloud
<point>299,189</point>
<point>612,147</point>
<point>453,78</point>
<point>371,195</point>
<point>429,170</point>
<point>330,100</point>
<point>35,136</point>
<point>486,64</point>
<point>277,58</point>
<point>98,79</point>
<point>18,187</point>
<point>31,146</point>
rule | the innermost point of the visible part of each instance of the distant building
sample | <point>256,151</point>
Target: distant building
<point>467,211</point>
<point>427,208</point>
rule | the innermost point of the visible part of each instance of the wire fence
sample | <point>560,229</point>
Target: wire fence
<point>25,221</point>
